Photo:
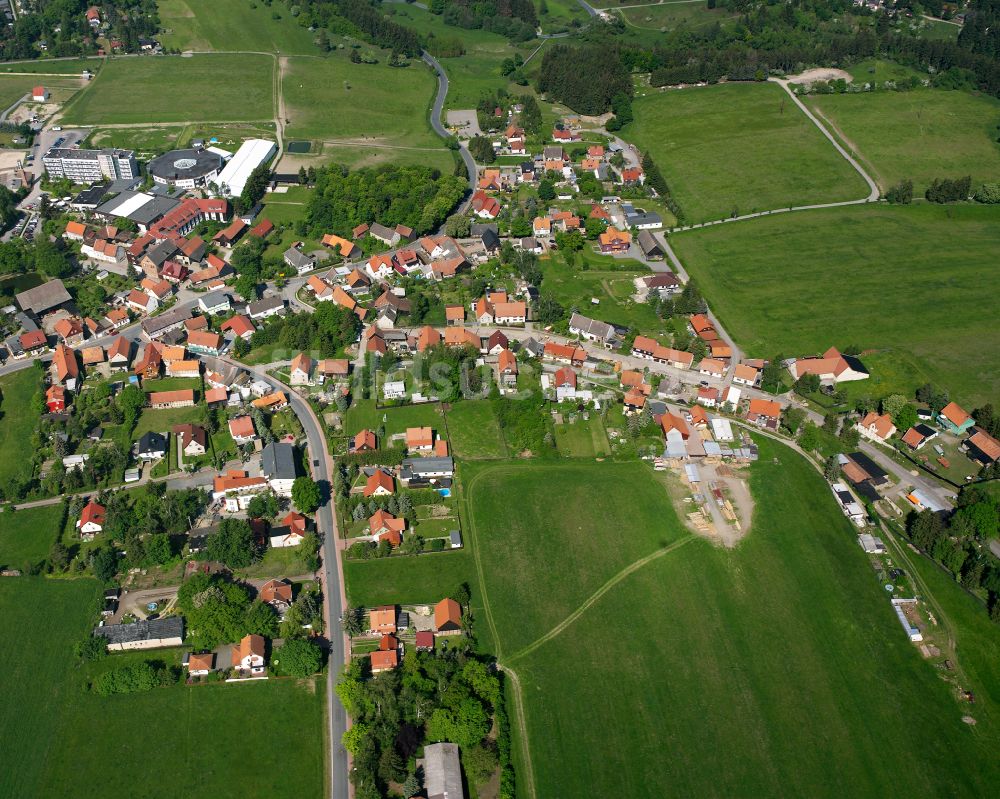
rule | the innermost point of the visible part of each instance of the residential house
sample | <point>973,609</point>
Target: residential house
<point>613,241</point>
<point>200,664</point>
<point>564,353</point>
<point>382,620</point>
<point>447,617</point>
<point>91,520</point>
<point>277,594</point>
<point>384,659</point>
<point>141,302</point>
<point>593,330</point>
<point>387,236</point>
<point>265,308</point>
<point>664,283</point>
<point>70,330</point>
<point>379,484</point>
<point>55,398</point>
<point>712,367</point>
<point>300,369</point>
<point>954,419</point>
<point>151,446</point>
<point>380,266</point>
<point>877,427</point>
<point>204,342</point>
<point>290,532</point>
<point>541,226</point>
<point>507,369</point>
<point>831,367</point>
<point>633,401</point>
<point>192,439</point>
<point>745,375</point>
<point>364,441</point>
<point>214,302</point>
<point>181,398</point>
<point>184,369</point>
<point>298,260</point>
<point>236,488</point>
<point>65,370</point>
<point>383,526</point>
<point>419,439</point>
<point>149,363</point>
<point>242,430</point>
<point>277,464</point>
<point>764,413</point>
<point>239,326</point>
<point>250,654</point>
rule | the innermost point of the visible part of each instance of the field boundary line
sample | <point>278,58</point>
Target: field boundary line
<point>523,725</point>
<point>473,539</point>
<point>600,592</point>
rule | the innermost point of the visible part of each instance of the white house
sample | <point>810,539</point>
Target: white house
<point>394,389</point>
<point>249,655</point>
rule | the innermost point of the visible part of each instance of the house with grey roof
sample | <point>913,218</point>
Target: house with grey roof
<point>443,772</point>
<point>298,260</point>
<point>157,327</point>
<point>277,464</point>
<point>385,235</point>
<point>265,308</point>
<point>43,298</point>
<point>417,471</point>
<point>157,633</point>
<point>593,330</point>
<point>214,302</point>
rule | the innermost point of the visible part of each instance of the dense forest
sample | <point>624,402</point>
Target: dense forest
<point>585,78</point>
<point>416,196</point>
<point>515,19</point>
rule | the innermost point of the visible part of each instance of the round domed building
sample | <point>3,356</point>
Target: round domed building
<point>186,169</point>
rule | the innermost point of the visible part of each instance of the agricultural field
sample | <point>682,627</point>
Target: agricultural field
<point>919,135</point>
<point>916,280</point>
<point>473,431</point>
<point>18,419</point>
<point>26,536</point>
<point>50,66</point>
<point>51,751</point>
<point>693,15</point>
<point>222,23</point>
<point>728,649</point>
<point>739,148</point>
<point>13,87</point>
<point>167,89</point>
<point>381,110</point>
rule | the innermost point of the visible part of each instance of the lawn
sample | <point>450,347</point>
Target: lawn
<point>474,431</point>
<point>50,750</point>
<point>610,282</point>
<point>17,422</point>
<point>710,655</point>
<point>164,419</point>
<point>919,135</point>
<point>51,66</point>
<point>419,579</point>
<point>26,536</point>
<point>739,148</point>
<point>363,414</point>
<point>693,15</point>
<point>12,87</point>
<point>917,280</point>
<point>584,438</point>
<point>377,105</point>
<point>221,23</point>
<point>161,139</point>
<point>202,88</point>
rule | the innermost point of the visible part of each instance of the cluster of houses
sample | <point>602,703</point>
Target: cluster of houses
<point>428,464</point>
<point>390,623</point>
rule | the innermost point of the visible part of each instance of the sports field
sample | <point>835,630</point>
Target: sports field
<point>918,279</point>
<point>201,88</point>
<point>920,135</point>
<point>698,662</point>
<point>739,147</point>
<point>17,422</point>
<point>232,25</point>
<point>27,535</point>
<point>60,739</point>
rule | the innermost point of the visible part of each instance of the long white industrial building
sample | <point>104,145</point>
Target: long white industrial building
<point>252,153</point>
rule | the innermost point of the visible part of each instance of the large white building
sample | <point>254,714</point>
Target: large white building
<point>90,166</point>
<point>252,153</point>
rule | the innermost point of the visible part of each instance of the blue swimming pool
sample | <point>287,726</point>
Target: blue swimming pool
<point>444,492</point>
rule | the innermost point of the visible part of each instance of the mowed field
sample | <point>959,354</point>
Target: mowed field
<point>919,135</point>
<point>740,147</point>
<point>60,739</point>
<point>695,15</point>
<point>201,88</point>
<point>916,279</point>
<point>232,25</point>
<point>652,663</point>
<point>26,536</point>
<point>17,422</point>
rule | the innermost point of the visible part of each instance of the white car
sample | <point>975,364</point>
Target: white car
<point>57,128</point>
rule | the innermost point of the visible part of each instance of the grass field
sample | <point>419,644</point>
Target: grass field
<point>13,87</point>
<point>363,414</point>
<point>584,438</point>
<point>27,535</point>
<point>51,749</point>
<point>222,24</point>
<point>914,279</point>
<point>694,15</point>
<point>920,135</point>
<point>729,650</point>
<point>374,101</point>
<point>202,88</point>
<point>17,423</point>
<point>474,431</point>
<point>739,147</point>
<point>160,139</point>
<point>73,66</point>
<point>418,579</point>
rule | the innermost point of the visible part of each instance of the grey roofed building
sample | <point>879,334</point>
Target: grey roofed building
<point>168,631</point>
<point>160,253</point>
<point>552,153</point>
<point>27,324</point>
<point>157,326</point>
<point>649,245</point>
<point>382,233</point>
<point>298,260</point>
<point>443,772</point>
<point>533,347</point>
<point>426,468</point>
<point>591,328</point>
<point>90,198</point>
<point>491,241</point>
<point>214,301</point>
<point>277,461</point>
<point>44,297</point>
<point>265,307</point>
<point>13,344</point>
<point>151,445</point>
<point>479,228</point>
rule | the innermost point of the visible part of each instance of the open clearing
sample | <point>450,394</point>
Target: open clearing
<point>232,25</point>
<point>202,88</point>
<point>27,535</point>
<point>205,738</point>
<point>694,15</point>
<point>474,432</point>
<point>17,423</point>
<point>739,147</point>
<point>918,279</point>
<point>379,110</point>
<point>698,661</point>
<point>920,135</point>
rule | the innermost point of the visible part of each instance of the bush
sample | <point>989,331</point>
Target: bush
<point>130,678</point>
<point>297,658</point>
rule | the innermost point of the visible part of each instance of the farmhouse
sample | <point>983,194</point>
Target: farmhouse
<point>831,367</point>
<point>181,398</point>
<point>954,419</point>
<point>877,427</point>
<point>593,330</point>
<point>91,520</point>
<point>982,447</point>
<point>447,616</point>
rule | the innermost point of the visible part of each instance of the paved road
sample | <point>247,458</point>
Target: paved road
<point>439,129</point>
<point>331,575</point>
